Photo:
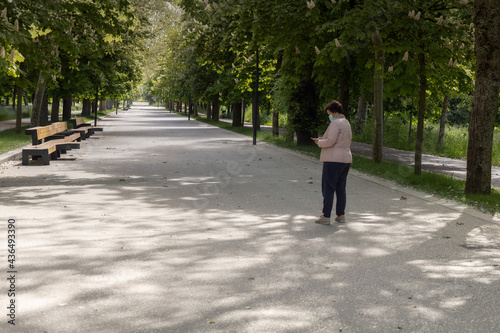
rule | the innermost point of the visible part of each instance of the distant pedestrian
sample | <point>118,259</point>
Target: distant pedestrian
<point>336,157</point>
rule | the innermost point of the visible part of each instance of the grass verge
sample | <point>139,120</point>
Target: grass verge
<point>441,186</point>
<point>10,140</point>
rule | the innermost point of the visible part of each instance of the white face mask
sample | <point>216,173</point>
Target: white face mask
<point>331,117</point>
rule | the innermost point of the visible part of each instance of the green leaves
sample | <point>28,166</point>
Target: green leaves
<point>70,40</point>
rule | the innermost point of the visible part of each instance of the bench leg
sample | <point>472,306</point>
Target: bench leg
<point>52,156</point>
<point>26,158</point>
<point>46,158</point>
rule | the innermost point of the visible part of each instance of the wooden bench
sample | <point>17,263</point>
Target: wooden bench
<point>85,129</point>
<point>49,142</point>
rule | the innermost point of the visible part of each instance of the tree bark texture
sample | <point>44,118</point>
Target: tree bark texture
<point>421,114</point>
<point>378,99</point>
<point>37,101</point>
<point>67,103</point>
<point>14,94</point>
<point>54,114</point>
<point>209,111</point>
<point>86,107</point>
<point>237,115</point>
<point>19,111</point>
<point>276,115</point>
<point>276,123</point>
<point>216,108</point>
<point>305,116</point>
<point>360,115</point>
<point>255,100</point>
<point>44,111</point>
<point>485,101</point>
<point>442,123</point>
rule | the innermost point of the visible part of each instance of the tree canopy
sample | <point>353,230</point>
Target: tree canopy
<point>72,47</point>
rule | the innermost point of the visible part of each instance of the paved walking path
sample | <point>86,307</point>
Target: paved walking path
<point>7,124</point>
<point>160,224</point>
<point>447,166</point>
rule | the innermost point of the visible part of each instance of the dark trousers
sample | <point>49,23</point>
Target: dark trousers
<point>334,181</point>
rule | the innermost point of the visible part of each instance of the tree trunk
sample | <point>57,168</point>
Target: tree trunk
<point>255,100</point>
<point>411,120</point>
<point>216,108</point>
<point>305,118</point>
<point>378,99</point>
<point>243,109</point>
<point>86,107</point>
<point>276,114</point>
<point>67,103</point>
<point>276,123</point>
<point>14,94</point>
<point>289,133</point>
<point>421,115</point>
<point>485,102</point>
<point>209,111</point>
<point>361,115</point>
<point>305,115</point>
<point>37,101</point>
<point>19,111</point>
<point>237,114</point>
<point>44,111</point>
<point>54,115</point>
<point>442,124</point>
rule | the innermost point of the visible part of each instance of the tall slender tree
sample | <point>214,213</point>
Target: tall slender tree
<point>485,103</point>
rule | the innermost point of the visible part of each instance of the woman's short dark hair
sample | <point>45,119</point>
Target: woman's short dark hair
<point>334,106</point>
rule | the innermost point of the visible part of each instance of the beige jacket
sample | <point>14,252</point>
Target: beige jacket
<point>336,142</point>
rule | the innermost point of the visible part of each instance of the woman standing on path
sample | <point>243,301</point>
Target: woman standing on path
<point>336,157</point>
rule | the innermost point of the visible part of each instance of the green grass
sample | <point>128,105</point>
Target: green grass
<point>10,140</point>
<point>8,113</point>
<point>441,186</point>
<point>397,135</point>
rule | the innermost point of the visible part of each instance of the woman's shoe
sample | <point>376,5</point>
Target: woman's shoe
<point>323,220</point>
<point>340,219</point>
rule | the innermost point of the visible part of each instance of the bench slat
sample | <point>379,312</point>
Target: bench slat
<point>41,132</point>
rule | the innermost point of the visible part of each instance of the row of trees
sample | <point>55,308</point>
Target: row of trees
<point>65,49</point>
<point>309,52</point>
